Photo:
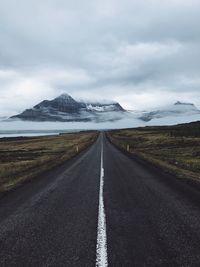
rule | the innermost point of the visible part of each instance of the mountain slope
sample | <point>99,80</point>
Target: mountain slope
<point>63,103</point>
<point>65,108</point>
<point>178,109</point>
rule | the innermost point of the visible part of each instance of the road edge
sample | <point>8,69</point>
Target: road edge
<point>155,167</point>
<point>52,169</point>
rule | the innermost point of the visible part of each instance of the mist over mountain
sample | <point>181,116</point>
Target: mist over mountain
<point>65,108</point>
<point>178,109</point>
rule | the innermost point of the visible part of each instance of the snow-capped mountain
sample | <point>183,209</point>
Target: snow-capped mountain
<point>178,109</point>
<point>65,108</point>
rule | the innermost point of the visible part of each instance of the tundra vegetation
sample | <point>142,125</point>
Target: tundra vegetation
<point>23,158</point>
<point>175,149</point>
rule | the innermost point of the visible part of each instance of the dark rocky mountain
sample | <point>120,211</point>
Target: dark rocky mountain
<point>63,103</point>
<point>65,108</point>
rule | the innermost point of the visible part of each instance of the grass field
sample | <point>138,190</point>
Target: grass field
<point>175,149</point>
<point>24,158</point>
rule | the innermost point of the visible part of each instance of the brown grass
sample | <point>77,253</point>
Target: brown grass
<point>179,155</point>
<point>24,158</point>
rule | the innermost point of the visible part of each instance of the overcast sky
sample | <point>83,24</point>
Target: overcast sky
<point>142,53</point>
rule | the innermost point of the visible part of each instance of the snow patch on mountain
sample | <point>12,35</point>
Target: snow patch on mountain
<point>101,108</point>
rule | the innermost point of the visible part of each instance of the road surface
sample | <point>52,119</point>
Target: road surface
<point>101,208</point>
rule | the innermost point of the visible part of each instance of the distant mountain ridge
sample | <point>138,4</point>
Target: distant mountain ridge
<point>65,108</point>
<point>178,109</point>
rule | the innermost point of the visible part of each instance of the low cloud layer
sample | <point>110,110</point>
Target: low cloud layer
<point>140,53</point>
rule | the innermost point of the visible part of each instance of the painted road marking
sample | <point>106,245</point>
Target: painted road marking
<point>101,249</point>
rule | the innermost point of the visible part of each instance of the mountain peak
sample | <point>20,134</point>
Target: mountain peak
<point>182,103</point>
<point>65,108</point>
<point>64,96</point>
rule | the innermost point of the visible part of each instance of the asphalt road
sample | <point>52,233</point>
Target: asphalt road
<point>101,206</point>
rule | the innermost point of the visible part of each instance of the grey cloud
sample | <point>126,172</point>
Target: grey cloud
<point>122,48</point>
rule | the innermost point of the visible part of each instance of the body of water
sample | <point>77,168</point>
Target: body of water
<point>30,133</point>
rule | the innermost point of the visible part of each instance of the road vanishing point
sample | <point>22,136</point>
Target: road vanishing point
<point>101,208</point>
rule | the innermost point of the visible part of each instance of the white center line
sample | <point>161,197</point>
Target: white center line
<point>101,249</point>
